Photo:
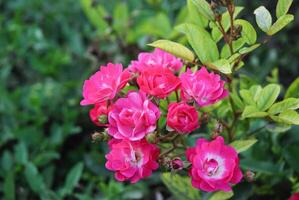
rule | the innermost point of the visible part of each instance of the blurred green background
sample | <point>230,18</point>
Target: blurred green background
<point>48,48</point>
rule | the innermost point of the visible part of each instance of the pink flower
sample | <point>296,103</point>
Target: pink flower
<point>158,58</point>
<point>158,82</point>
<point>99,114</point>
<point>203,87</point>
<point>104,84</point>
<point>295,196</point>
<point>182,118</point>
<point>132,160</point>
<point>215,166</point>
<point>133,117</point>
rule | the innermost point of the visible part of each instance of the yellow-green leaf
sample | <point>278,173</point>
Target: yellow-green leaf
<point>243,145</point>
<point>174,48</point>
<point>221,65</point>
<point>248,32</point>
<point>253,112</point>
<point>200,40</point>
<point>204,9</point>
<point>268,96</point>
<point>180,187</point>
<point>293,90</point>
<point>283,7</point>
<point>287,104</point>
<point>280,23</point>
<point>220,195</point>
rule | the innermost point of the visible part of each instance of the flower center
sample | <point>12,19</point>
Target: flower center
<point>210,167</point>
<point>136,158</point>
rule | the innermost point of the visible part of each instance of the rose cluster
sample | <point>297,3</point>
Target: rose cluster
<point>128,103</point>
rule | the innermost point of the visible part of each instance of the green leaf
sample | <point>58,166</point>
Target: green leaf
<point>289,117</point>
<point>72,178</point>
<point>7,161</point>
<point>225,52</point>
<point>34,179</point>
<point>21,153</point>
<point>221,65</point>
<point>9,186</point>
<point>247,97</point>
<point>96,15</point>
<point>180,187</point>
<point>194,16</point>
<point>200,40</point>
<point>253,112</point>
<point>220,195</point>
<point>174,48</point>
<point>293,89</point>
<point>287,104</point>
<point>268,96</point>
<point>204,9</point>
<point>237,100</point>
<point>280,23</point>
<point>243,145</point>
<point>263,18</point>
<point>246,50</point>
<point>120,18</point>
<point>248,32</point>
<point>283,7</point>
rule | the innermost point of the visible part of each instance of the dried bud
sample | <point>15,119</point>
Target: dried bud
<point>151,138</point>
<point>96,137</point>
<point>100,137</point>
<point>249,176</point>
<point>177,164</point>
<point>237,32</point>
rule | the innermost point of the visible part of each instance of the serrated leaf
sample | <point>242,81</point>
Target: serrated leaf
<point>287,104</point>
<point>221,65</point>
<point>280,23</point>
<point>180,187</point>
<point>268,96</point>
<point>263,18</point>
<point>253,112</point>
<point>220,195</point>
<point>174,48</point>
<point>72,178</point>
<point>243,145</point>
<point>283,7</point>
<point>293,90</point>
<point>248,32</point>
<point>204,9</point>
<point>200,40</point>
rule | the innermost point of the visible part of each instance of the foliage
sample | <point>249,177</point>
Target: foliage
<point>48,49</point>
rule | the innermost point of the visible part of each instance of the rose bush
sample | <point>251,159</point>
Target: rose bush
<point>166,97</point>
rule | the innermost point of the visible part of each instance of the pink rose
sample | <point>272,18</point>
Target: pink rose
<point>203,87</point>
<point>158,82</point>
<point>215,166</point>
<point>99,114</point>
<point>158,58</point>
<point>133,117</point>
<point>132,160</point>
<point>295,196</point>
<point>104,84</point>
<point>182,118</point>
